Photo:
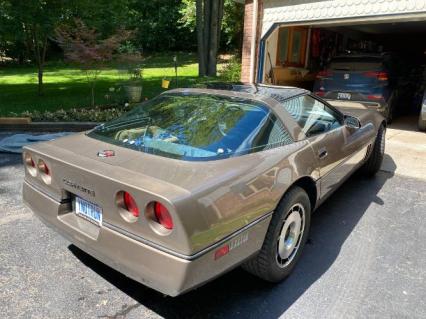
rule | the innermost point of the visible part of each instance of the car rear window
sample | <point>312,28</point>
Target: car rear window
<point>356,63</point>
<point>193,126</point>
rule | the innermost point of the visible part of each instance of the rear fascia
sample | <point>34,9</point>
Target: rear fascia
<point>162,271</point>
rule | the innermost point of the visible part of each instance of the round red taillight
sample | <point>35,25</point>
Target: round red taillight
<point>130,204</point>
<point>163,216</point>
<point>42,166</point>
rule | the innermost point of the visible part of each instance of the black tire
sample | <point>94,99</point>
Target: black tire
<point>391,109</point>
<point>267,264</point>
<point>375,159</point>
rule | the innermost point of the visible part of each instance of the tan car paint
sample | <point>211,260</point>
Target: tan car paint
<point>211,202</point>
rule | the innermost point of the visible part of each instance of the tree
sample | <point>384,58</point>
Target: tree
<point>31,24</point>
<point>209,15</point>
<point>83,46</point>
<point>229,24</point>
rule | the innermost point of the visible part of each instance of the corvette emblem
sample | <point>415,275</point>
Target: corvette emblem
<point>106,153</point>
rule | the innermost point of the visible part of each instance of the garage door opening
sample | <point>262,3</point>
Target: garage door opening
<point>379,66</point>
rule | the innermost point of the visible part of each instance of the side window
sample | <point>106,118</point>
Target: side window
<point>313,116</point>
<point>273,134</point>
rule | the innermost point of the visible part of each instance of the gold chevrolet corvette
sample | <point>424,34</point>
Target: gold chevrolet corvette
<point>195,182</point>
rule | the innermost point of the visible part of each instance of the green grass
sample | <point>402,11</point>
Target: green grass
<point>66,87</point>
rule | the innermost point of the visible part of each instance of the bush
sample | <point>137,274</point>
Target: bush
<point>97,114</point>
<point>231,71</point>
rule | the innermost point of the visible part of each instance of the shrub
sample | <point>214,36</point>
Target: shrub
<point>231,71</point>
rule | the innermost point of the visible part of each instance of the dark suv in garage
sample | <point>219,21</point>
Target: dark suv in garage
<point>364,78</point>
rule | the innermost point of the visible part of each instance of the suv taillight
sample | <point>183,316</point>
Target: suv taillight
<point>381,76</point>
<point>324,74</point>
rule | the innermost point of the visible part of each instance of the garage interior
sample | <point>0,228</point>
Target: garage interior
<point>294,55</point>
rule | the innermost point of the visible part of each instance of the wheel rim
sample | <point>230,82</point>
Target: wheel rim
<point>290,235</point>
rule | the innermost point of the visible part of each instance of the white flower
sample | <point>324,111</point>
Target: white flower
<point>126,104</point>
<point>112,89</point>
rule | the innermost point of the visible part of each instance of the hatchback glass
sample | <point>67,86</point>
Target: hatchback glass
<point>193,126</point>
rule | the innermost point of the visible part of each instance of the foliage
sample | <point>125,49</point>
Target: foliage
<point>231,71</point>
<point>26,27</point>
<point>96,114</point>
<point>158,27</point>
<point>83,46</point>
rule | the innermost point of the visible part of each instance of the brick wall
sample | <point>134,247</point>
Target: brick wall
<point>245,58</point>
<point>248,24</point>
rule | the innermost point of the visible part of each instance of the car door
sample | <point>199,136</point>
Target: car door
<point>338,150</point>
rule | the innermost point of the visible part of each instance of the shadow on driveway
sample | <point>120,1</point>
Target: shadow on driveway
<point>239,294</point>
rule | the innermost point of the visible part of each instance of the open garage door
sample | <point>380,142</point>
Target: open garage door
<point>375,65</point>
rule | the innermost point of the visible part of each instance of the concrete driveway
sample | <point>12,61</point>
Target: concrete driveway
<point>366,257</point>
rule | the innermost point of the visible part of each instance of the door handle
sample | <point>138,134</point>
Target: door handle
<point>322,153</point>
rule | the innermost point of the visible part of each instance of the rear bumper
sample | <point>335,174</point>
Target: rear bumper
<point>378,106</point>
<point>166,272</point>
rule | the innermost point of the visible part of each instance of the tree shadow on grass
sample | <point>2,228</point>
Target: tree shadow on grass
<point>239,294</point>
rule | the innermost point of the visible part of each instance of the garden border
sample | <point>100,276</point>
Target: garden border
<point>48,127</point>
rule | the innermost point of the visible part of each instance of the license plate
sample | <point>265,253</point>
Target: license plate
<point>343,96</point>
<point>88,210</point>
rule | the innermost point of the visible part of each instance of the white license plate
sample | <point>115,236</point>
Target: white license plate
<point>343,96</point>
<point>88,210</point>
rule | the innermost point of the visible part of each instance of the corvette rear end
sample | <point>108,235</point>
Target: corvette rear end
<point>164,222</point>
<point>140,225</point>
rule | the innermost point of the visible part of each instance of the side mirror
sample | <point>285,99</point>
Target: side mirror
<point>351,122</point>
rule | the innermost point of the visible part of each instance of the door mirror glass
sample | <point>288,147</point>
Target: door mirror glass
<point>352,122</point>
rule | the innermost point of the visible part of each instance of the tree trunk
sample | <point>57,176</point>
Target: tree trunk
<point>212,60</point>
<point>200,38</point>
<point>93,94</point>
<point>209,15</point>
<point>206,35</point>
<point>39,55</point>
<point>40,80</point>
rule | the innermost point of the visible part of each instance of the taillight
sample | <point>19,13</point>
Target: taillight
<point>30,164</point>
<point>43,168</point>
<point>381,76</point>
<point>130,204</point>
<point>324,74</point>
<point>163,216</point>
<point>320,93</point>
<point>374,97</point>
<point>222,251</point>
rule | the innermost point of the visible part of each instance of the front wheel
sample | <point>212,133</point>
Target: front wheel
<point>285,238</point>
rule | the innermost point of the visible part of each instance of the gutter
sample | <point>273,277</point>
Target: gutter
<point>253,41</point>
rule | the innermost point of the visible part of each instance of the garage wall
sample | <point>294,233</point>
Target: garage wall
<point>333,11</point>
<point>271,47</point>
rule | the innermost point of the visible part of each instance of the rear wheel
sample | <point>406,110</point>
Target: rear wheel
<point>375,159</point>
<point>285,238</point>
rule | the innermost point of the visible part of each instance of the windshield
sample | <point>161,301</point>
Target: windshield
<point>195,127</point>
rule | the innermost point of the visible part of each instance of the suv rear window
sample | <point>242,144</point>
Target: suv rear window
<point>356,63</point>
<point>197,126</point>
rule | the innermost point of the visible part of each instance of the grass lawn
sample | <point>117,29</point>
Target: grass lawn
<point>66,87</point>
